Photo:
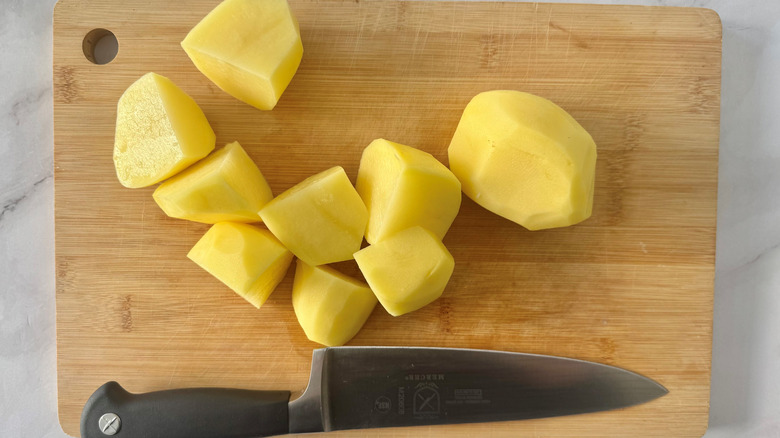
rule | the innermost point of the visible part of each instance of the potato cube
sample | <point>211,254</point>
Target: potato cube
<point>321,219</point>
<point>249,260</point>
<point>407,270</point>
<point>330,306</point>
<point>524,158</point>
<point>160,131</point>
<point>251,49</point>
<point>225,186</point>
<point>404,187</point>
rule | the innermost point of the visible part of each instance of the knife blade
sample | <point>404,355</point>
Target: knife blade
<point>372,387</point>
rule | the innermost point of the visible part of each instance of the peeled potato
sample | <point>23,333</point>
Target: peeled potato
<point>321,219</point>
<point>225,186</point>
<point>407,270</point>
<point>405,187</point>
<point>251,49</point>
<point>160,131</point>
<point>524,158</point>
<point>249,260</point>
<point>330,306</point>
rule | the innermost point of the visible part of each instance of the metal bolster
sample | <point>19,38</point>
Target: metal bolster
<point>306,411</point>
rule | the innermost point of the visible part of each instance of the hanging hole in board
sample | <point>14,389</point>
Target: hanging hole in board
<point>100,46</point>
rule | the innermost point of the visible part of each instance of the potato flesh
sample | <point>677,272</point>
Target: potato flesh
<point>407,270</point>
<point>249,260</point>
<point>321,220</point>
<point>404,187</point>
<point>226,186</point>
<point>524,158</point>
<point>251,49</point>
<point>160,131</point>
<point>330,306</point>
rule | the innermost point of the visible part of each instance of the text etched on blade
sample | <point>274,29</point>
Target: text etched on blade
<point>429,396</point>
<point>382,405</point>
<point>467,396</point>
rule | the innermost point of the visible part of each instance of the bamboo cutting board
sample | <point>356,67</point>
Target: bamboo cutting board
<point>630,287</point>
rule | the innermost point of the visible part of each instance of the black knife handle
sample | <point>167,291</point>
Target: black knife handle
<point>185,413</point>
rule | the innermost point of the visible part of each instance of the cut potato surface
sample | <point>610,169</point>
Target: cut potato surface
<point>247,259</point>
<point>524,158</point>
<point>404,187</point>
<point>225,186</point>
<point>321,219</point>
<point>330,306</point>
<point>251,49</point>
<point>407,270</point>
<point>160,131</point>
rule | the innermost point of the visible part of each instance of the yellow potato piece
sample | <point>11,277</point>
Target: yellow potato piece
<point>524,158</point>
<point>225,186</point>
<point>247,259</point>
<point>404,187</point>
<point>321,219</point>
<point>407,270</point>
<point>251,49</point>
<point>160,131</point>
<point>330,306</point>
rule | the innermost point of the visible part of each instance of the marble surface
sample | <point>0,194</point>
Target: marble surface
<point>745,399</point>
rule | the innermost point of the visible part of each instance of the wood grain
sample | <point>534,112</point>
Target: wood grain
<point>630,287</point>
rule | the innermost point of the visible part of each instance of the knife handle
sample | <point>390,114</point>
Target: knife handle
<point>185,413</point>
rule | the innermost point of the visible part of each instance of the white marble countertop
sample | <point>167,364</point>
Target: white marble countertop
<point>745,400</point>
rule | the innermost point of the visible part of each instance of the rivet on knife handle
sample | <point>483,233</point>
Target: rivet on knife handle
<point>109,423</point>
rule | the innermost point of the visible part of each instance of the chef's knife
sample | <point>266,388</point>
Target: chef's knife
<point>368,387</point>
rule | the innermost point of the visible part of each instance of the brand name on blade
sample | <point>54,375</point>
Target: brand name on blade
<point>424,377</point>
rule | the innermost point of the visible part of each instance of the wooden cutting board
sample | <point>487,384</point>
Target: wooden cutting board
<point>632,286</point>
